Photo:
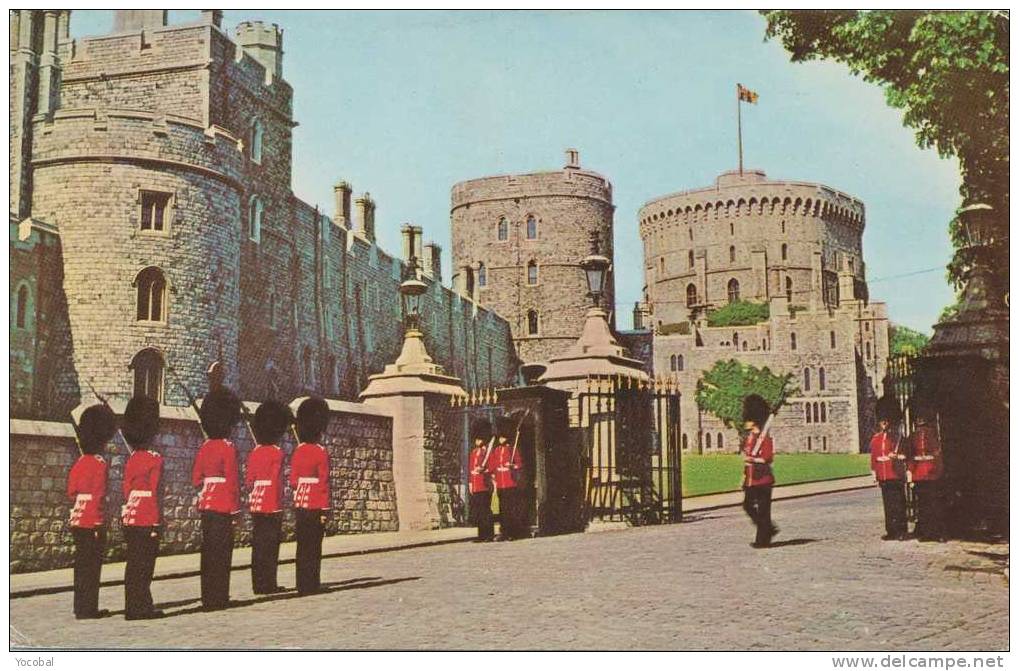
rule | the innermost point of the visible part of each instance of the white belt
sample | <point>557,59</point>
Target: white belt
<point>214,478</point>
<point>263,483</point>
<point>83,497</point>
<point>307,481</point>
<point>924,457</point>
<point>883,459</point>
<point>140,493</point>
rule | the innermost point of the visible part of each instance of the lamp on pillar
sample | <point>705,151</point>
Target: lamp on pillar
<point>595,266</point>
<point>411,290</point>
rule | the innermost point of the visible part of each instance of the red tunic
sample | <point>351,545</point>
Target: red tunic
<point>505,465</point>
<point>141,480</point>
<point>86,486</point>
<point>758,474</point>
<point>309,476</point>
<point>885,460</point>
<point>262,478</point>
<point>925,461</point>
<point>480,471</point>
<point>215,471</point>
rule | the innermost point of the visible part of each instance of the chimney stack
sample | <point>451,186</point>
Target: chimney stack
<point>138,19</point>
<point>432,263</point>
<point>365,224</point>
<point>341,193</point>
<point>572,159</point>
<point>407,238</point>
<point>213,17</point>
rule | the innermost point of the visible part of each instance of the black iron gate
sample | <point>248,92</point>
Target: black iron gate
<point>631,436</point>
<point>454,443</point>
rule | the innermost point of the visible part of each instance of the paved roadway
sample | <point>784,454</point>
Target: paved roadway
<point>829,584</point>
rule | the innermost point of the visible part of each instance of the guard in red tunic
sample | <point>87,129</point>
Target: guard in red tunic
<point>887,461</point>
<point>758,452</point>
<point>507,466</point>
<point>480,479</point>
<point>215,471</point>
<point>86,486</point>
<point>309,478</point>
<point>140,516</point>
<point>926,467</point>
<point>263,479</point>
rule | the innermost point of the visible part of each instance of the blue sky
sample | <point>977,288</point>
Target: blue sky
<point>406,104</point>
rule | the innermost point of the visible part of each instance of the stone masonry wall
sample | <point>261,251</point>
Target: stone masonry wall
<point>359,441</point>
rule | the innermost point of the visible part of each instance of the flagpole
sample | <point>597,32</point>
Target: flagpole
<point>739,129</point>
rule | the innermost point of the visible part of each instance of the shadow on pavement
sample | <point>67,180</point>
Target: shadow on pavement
<point>794,541</point>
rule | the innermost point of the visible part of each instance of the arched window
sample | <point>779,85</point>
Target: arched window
<point>810,444</point>
<point>824,443</point>
<point>744,345</point>
<point>469,281</point>
<point>256,140</point>
<point>689,258</point>
<point>789,289</point>
<point>22,302</point>
<point>735,340</point>
<point>733,290</point>
<point>532,322</point>
<point>820,378</point>
<point>817,416</point>
<point>868,350</point>
<point>661,265</point>
<point>689,233</point>
<point>792,341</point>
<point>686,444</point>
<point>532,228</point>
<point>532,272</point>
<point>718,443</point>
<point>672,362</point>
<point>151,295</point>
<point>764,344</point>
<point>732,253</point>
<point>691,295</point>
<point>824,413</point>
<point>502,230</point>
<point>255,211</point>
<point>785,252</point>
<point>147,366</point>
<point>806,379</point>
<point>806,412</point>
<point>679,362</point>
<point>732,228</point>
<point>707,440</point>
<point>831,338</point>
<point>482,275</point>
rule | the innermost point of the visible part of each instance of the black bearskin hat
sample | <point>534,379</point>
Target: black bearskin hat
<point>96,428</point>
<point>481,429</point>
<point>887,408</point>
<point>506,426</point>
<point>922,412</point>
<point>272,419</point>
<point>141,421</point>
<point>220,411</point>
<point>312,419</point>
<point>756,410</point>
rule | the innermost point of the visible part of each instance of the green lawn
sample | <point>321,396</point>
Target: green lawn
<point>712,473</point>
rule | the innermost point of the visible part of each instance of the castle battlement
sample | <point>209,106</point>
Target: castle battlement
<point>568,182</point>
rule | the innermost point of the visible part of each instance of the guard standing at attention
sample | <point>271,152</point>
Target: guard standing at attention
<point>506,465</point>
<point>758,454</point>
<point>263,480</point>
<point>86,486</point>
<point>887,463</point>
<point>480,480</point>
<point>309,478</point>
<point>215,471</point>
<point>142,476</point>
<point>926,466</point>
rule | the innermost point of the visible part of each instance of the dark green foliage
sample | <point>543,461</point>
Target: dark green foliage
<point>739,313</point>
<point>905,340</point>
<point>722,388</point>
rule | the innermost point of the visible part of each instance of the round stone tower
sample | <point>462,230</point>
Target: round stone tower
<point>518,241</point>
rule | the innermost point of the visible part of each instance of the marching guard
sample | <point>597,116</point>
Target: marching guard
<point>926,466</point>
<point>86,486</point>
<point>758,454</point>
<point>142,475</point>
<point>215,471</point>
<point>309,478</point>
<point>263,480</point>
<point>480,480</point>
<point>507,464</point>
<point>887,464</point>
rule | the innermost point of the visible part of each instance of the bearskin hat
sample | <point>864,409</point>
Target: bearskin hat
<point>272,419</point>
<point>887,408</point>
<point>505,426</point>
<point>922,411</point>
<point>481,429</point>
<point>756,410</point>
<point>141,421</point>
<point>312,419</point>
<point>220,412</point>
<point>96,428</point>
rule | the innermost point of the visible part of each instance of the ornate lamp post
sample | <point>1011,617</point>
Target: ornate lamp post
<point>410,297</point>
<point>595,267</point>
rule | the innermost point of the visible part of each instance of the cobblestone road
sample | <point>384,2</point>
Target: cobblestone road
<point>829,584</point>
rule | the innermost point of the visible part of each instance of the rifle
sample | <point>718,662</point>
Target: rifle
<point>516,438</point>
<point>191,399</point>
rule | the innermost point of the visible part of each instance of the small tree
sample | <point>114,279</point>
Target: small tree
<point>722,388</point>
<point>739,313</point>
<point>905,340</point>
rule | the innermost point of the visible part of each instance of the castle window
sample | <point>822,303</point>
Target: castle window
<point>792,341</point>
<point>866,326</point>
<point>816,414</point>
<point>764,344</point>
<point>789,289</point>
<point>824,413</point>
<point>686,444</point>
<point>733,290</point>
<point>154,204</point>
<point>824,443</point>
<point>785,252</point>
<point>256,140</point>
<point>672,363</point>
<point>732,228</point>
<point>532,322</point>
<point>831,339</point>
<point>21,306</point>
<point>744,345</point>
<point>691,295</point>
<point>810,444</point>
<point>532,228</point>
<point>255,211</point>
<point>718,443</point>
<point>147,366</point>
<point>707,440</point>
<point>735,340</point>
<point>689,258</point>
<point>732,254</point>
<point>820,378</point>
<point>783,226</point>
<point>868,350</point>
<point>689,233</point>
<point>806,379</point>
<point>679,362</point>
<point>502,230</point>
<point>151,295</point>
<point>806,412</point>
<point>532,272</point>
<point>482,275</point>
<point>661,265</point>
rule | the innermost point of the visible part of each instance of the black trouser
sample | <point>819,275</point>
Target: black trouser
<point>265,550</point>
<point>481,514</point>
<point>929,518</point>
<point>757,504</point>
<point>309,549</point>
<point>893,495</point>
<point>88,564</point>
<point>217,554</point>
<point>142,547</point>
<point>512,512</point>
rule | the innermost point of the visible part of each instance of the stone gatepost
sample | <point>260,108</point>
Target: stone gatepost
<point>413,389</point>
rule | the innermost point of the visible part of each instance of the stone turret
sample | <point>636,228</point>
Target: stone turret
<point>341,193</point>
<point>365,223</point>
